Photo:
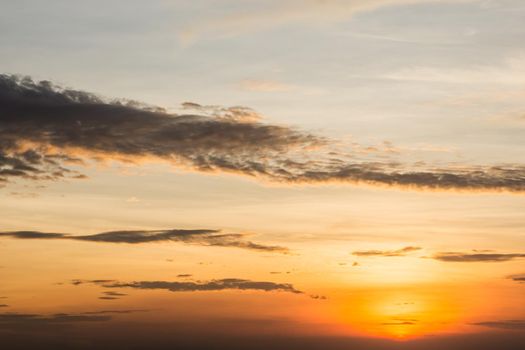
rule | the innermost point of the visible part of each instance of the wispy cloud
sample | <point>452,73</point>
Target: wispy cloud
<point>289,12</point>
<point>520,278</point>
<point>511,71</point>
<point>198,237</point>
<point>124,311</point>
<point>264,85</point>
<point>43,128</point>
<point>387,253</point>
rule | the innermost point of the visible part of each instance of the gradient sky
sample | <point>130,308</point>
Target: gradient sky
<point>275,174</point>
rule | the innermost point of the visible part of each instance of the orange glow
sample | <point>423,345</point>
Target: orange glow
<point>397,314</point>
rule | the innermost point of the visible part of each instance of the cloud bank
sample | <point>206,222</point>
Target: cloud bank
<point>212,238</point>
<point>17,321</point>
<point>44,129</point>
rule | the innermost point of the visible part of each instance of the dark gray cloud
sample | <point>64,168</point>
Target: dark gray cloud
<point>56,121</point>
<point>197,286</point>
<point>518,325</point>
<point>398,252</point>
<point>475,257</point>
<point>44,128</point>
<point>199,237</point>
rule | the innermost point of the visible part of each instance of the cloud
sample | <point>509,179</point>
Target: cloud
<point>114,294</point>
<point>4,305</point>
<point>512,72</point>
<point>213,285</point>
<point>517,325</point>
<point>289,12</point>
<point>318,297</point>
<point>264,85</point>
<point>520,278</point>
<point>476,257</point>
<point>33,235</point>
<point>41,124</point>
<point>102,312</point>
<point>399,252</point>
<point>16,321</point>
<point>212,238</point>
<point>399,323</point>
<point>45,129</point>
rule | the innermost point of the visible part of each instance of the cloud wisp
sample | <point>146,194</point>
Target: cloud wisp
<point>476,257</point>
<point>124,311</point>
<point>212,238</point>
<point>44,129</point>
<point>520,278</point>
<point>197,286</point>
<point>386,253</point>
<point>289,12</point>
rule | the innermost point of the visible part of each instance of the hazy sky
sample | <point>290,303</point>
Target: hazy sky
<point>349,172</point>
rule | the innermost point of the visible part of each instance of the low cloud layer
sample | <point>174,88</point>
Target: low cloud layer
<point>124,311</point>
<point>45,129</point>
<point>197,286</point>
<point>476,257</point>
<point>518,325</point>
<point>198,237</point>
<point>387,253</point>
<point>17,321</point>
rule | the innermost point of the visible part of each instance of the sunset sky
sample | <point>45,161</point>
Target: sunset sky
<point>262,174</point>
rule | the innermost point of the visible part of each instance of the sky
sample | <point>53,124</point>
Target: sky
<point>308,174</point>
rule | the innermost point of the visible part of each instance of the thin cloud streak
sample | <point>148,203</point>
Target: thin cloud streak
<point>386,253</point>
<point>199,286</point>
<point>290,12</point>
<point>517,325</point>
<point>475,257</point>
<point>520,278</point>
<point>211,238</point>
